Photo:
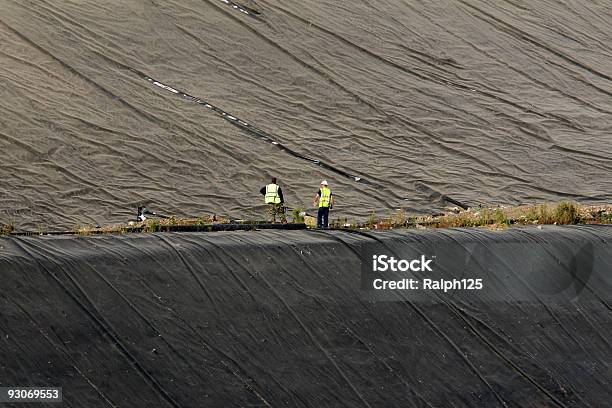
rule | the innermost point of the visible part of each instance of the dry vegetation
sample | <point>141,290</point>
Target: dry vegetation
<point>564,213</point>
<point>6,229</point>
<point>150,225</point>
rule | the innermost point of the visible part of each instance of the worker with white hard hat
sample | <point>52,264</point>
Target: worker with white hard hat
<point>324,200</point>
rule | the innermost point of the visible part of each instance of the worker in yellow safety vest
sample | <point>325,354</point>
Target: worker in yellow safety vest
<point>273,196</point>
<point>325,201</point>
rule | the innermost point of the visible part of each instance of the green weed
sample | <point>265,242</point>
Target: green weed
<point>566,213</point>
<point>298,218</point>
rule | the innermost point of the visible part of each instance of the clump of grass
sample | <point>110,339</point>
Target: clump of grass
<point>545,216</point>
<point>566,213</point>
<point>353,224</point>
<point>6,229</point>
<point>531,214</point>
<point>371,221</point>
<point>400,218</point>
<point>459,221</point>
<point>603,217</point>
<point>500,217</point>
<point>485,217</point>
<point>454,221</point>
<point>41,229</point>
<point>153,225</point>
<point>298,216</point>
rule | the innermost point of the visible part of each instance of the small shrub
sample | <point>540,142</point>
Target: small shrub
<point>454,221</point>
<point>153,226</point>
<point>6,229</point>
<point>545,217</point>
<point>485,217</point>
<point>531,214</point>
<point>298,215</point>
<point>400,218</point>
<point>500,217</point>
<point>460,221</point>
<point>566,213</point>
<point>604,217</point>
<point>371,220</point>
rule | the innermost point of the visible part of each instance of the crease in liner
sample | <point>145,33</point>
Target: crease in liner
<point>85,304</point>
<point>260,134</point>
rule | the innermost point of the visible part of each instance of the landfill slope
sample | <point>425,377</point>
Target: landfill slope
<point>273,318</point>
<point>415,105</point>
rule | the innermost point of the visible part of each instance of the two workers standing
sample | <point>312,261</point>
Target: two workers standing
<point>273,196</point>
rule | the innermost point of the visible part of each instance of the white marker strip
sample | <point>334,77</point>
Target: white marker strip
<point>240,8</point>
<point>258,133</point>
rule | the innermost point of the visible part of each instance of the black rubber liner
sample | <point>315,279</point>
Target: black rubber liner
<point>178,228</point>
<point>279,318</point>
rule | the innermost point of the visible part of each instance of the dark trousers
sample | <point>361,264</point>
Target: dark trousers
<point>323,217</point>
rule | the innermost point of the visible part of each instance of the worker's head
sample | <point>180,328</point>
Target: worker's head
<point>273,180</point>
<point>324,183</point>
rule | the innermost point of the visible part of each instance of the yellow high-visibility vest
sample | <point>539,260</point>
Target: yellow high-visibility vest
<point>272,196</point>
<point>325,198</point>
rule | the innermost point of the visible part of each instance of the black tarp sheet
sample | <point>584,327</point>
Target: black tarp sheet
<point>280,318</point>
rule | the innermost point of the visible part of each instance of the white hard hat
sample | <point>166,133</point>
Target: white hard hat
<point>324,183</point>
